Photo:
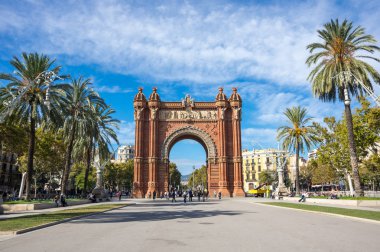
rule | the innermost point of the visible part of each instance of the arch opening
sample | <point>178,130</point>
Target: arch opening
<point>188,165</point>
<point>189,133</point>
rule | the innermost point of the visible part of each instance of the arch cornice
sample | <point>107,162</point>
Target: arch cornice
<point>189,131</point>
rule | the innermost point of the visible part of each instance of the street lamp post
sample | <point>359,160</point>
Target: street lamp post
<point>193,175</point>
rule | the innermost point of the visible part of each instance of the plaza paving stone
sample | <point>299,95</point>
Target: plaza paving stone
<point>226,225</point>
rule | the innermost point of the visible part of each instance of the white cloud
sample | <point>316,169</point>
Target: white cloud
<point>173,41</point>
<point>259,138</point>
<point>111,89</point>
<point>126,133</point>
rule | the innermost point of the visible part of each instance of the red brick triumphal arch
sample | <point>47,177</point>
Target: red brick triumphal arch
<point>215,125</point>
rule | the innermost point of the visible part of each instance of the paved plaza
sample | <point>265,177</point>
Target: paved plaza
<point>226,225</point>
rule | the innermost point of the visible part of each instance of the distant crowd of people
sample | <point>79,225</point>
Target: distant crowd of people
<point>187,195</point>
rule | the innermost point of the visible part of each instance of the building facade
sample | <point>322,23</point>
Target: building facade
<point>292,167</point>
<point>124,153</point>
<point>10,176</point>
<point>256,161</point>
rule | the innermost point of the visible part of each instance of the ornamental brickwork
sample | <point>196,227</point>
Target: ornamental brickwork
<point>215,125</point>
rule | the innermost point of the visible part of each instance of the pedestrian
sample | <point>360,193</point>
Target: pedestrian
<point>154,195</point>
<point>149,195</point>
<point>56,200</point>
<point>63,200</point>
<point>199,196</point>
<point>173,197</point>
<point>214,194</point>
<point>184,197</point>
<point>191,195</point>
<point>220,195</point>
<point>303,198</point>
<point>119,194</point>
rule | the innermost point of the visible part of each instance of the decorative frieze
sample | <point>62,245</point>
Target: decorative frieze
<point>184,115</point>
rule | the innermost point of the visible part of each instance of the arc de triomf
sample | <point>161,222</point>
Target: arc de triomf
<point>215,125</point>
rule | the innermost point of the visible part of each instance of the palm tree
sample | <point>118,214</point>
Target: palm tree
<point>30,98</point>
<point>298,137</point>
<point>338,64</point>
<point>78,115</point>
<point>99,132</point>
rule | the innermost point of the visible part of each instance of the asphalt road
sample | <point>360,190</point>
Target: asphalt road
<point>226,225</point>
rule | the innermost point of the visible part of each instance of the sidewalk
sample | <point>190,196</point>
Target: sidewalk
<point>8,215</point>
<point>262,200</point>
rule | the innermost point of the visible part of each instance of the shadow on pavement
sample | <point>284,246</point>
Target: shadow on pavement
<point>135,213</point>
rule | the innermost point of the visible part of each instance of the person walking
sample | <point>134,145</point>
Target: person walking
<point>214,194</point>
<point>154,195</point>
<point>303,198</point>
<point>173,196</point>
<point>191,195</point>
<point>119,194</point>
<point>199,196</point>
<point>184,197</point>
<point>220,195</point>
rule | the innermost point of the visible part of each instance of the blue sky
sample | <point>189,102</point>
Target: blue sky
<point>185,47</point>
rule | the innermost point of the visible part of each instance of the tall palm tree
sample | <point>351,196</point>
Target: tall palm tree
<point>297,137</point>
<point>99,132</point>
<point>78,113</point>
<point>31,98</point>
<point>338,65</point>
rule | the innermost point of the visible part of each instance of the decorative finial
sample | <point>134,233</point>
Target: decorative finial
<point>234,89</point>
<point>155,90</point>
<point>140,89</point>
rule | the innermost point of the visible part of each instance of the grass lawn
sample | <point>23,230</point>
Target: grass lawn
<point>347,198</point>
<point>19,223</point>
<point>35,201</point>
<point>372,215</point>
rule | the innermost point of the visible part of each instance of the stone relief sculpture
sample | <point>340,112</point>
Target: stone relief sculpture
<point>137,114</point>
<point>153,113</point>
<point>188,115</point>
<point>188,102</point>
<point>236,113</point>
<point>222,113</point>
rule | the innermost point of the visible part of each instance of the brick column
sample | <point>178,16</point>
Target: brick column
<point>139,105</point>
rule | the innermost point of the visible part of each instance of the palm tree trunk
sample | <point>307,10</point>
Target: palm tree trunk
<point>89,150</point>
<point>297,169</point>
<point>66,172</point>
<point>29,172</point>
<point>1,148</point>
<point>353,155</point>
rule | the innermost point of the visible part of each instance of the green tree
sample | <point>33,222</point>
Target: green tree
<point>338,63</point>
<point>199,176</point>
<point>299,136</point>
<point>80,98</point>
<point>174,175</point>
<point>267,177</point>
<point>333,153</point>
<point>28,100</point>
<point>48,157</point>
<point>119,175</point>
<point>98,133</point>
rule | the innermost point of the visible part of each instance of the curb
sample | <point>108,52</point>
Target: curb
<point>324,213</point>
<point>26,230</point>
